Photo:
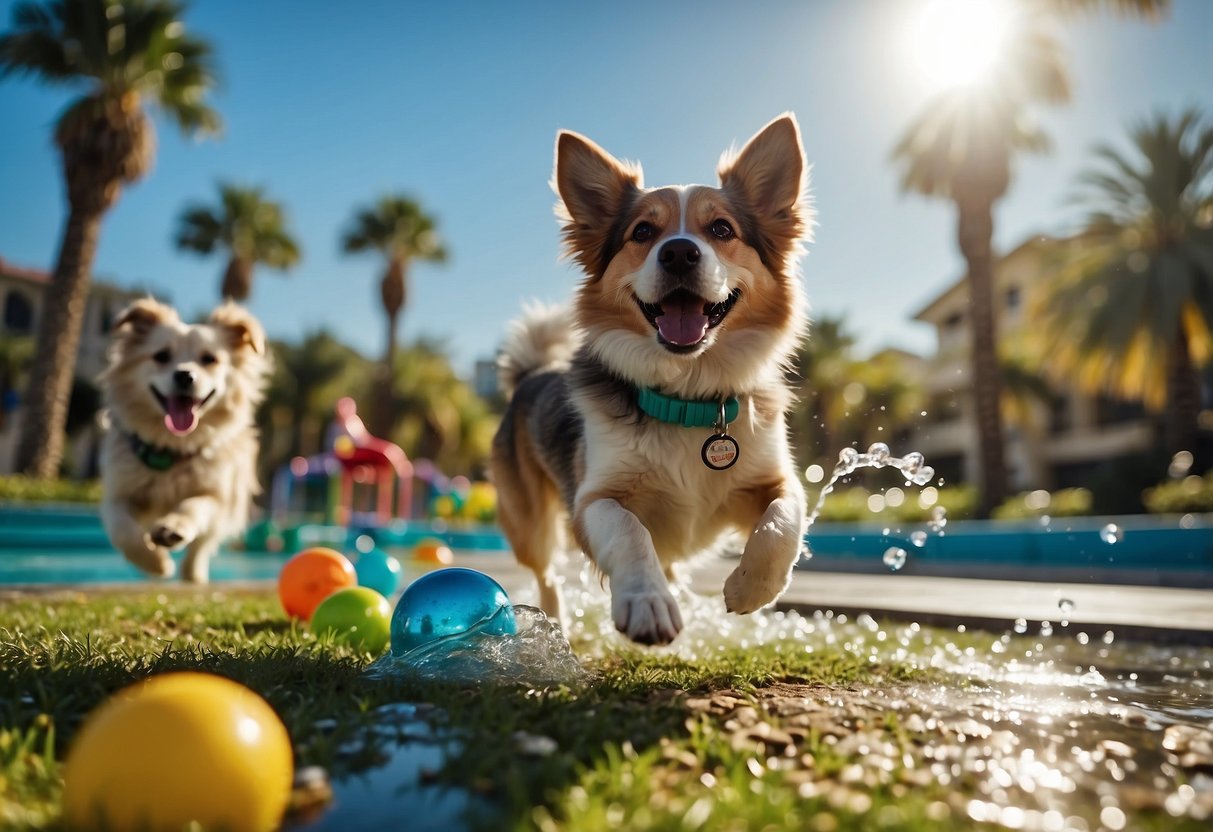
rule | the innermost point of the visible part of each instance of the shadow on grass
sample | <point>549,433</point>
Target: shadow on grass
<point>330,710</point>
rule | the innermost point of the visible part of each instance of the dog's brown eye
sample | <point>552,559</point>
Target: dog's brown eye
<point>721,230</point>
<point>162,356</point>
<point>207,358</point>
<point>643,232</point>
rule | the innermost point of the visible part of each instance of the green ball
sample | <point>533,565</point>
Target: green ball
<point>356,615</point>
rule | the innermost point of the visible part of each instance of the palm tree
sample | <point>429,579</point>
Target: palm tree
<point>437,415</point>
<point>398,228</point>
<point>125,54</point>
<point>303,386</point>
<point>1131,311</point>
<point>961,148</point>
<point>401,231</point>
<point>251,228</point>
<point>820,375</point>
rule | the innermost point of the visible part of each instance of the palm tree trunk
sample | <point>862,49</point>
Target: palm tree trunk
<point>393,293</point>
<point>975,231</point>
<point>237,280</point>
<point>1183,387</point>
<point>45,408</point>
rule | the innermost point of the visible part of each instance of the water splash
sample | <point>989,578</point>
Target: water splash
<point>895,557</point>
<point>537,654</point>
<point>939,519</point>
<point>912,465</point>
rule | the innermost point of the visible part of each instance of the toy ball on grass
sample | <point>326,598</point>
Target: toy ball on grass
<point>357,615</point>
<point>379,571</point>
<point>433,550</point>
<point>177,750</point>
<point>310,577</point>
<point>447,602</point>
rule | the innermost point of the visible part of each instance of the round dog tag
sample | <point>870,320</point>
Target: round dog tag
<point>720,452</point>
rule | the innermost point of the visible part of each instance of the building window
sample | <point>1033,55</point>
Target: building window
<point>1012,298</point>
<point>18,314</point>
<point>1061,415</point>
<point>1112,411</point>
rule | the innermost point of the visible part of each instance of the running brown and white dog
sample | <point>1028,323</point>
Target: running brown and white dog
<point>654,418</point>
<point>179,458</point>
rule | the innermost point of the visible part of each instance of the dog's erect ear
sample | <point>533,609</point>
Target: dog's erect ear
<point>138,319</point>
<point>242,328</point>
<point>596,190</point>
<point>767,179</point>
<point>768,173</point>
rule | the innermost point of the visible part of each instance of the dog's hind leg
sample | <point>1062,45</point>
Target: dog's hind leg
<point>531,519</point>
<point>196,567</point>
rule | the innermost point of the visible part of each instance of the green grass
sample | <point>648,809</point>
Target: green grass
<point>654,742</point>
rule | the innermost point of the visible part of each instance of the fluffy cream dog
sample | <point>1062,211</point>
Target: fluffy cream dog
<point>179,458</point>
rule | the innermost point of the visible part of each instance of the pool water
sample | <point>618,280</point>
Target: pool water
<point>58,544</point>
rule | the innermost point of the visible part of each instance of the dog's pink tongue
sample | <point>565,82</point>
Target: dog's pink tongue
<point>180,418</point>
<point>682,321</point>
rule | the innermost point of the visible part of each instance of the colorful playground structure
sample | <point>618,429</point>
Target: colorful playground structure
<point>365,483</point>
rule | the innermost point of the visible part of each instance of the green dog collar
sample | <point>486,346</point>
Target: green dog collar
<point>158,459</point>
<point>688,413</point>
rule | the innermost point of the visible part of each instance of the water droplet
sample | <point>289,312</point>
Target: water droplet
<point>1111,534</point>
<point>878,453</point>
<point>814,473</point>
<point>1046,629</point>
<point>1083,638</point>
<point>1021,625</point>
<point>939,519</point>
<point>918,538</point>
<point>847,460</point>
<point>1066,606</point>
<point>1045,520</point>
<point>911,463</point>
<point>894,557</point>
<point>925,474</point>
<point>1109,637</point>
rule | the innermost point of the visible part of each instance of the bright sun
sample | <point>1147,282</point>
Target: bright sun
<point>958,41</point>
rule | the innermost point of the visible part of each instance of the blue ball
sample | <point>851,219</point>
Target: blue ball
<point>446,602</point>
<point>379,571</point>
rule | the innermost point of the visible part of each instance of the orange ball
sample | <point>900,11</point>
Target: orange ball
<point>432,550</point>
<point>310,577</point>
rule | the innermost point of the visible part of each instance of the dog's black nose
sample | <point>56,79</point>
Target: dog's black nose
<point>184,379</point>
<point>678,256</point>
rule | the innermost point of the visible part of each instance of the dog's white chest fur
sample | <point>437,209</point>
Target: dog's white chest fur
<point>685,505</point>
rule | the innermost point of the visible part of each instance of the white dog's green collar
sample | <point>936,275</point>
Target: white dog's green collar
<point>153,456</point>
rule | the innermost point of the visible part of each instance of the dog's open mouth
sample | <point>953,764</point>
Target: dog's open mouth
<point>180,412</point>
<point>682,319</point>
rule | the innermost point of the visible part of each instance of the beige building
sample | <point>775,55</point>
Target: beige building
<point>1055,444</point>
<point>22,291</point>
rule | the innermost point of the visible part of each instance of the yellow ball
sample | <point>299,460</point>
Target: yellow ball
<point>177,749</point>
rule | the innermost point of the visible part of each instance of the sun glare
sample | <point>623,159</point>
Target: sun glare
<point>958,41</point>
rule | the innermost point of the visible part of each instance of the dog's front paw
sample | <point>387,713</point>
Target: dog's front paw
<point>747,590</point>
<point>173,531</point>
<point>646,616</point>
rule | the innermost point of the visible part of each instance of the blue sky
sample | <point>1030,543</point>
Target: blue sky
<point>330,105</point>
